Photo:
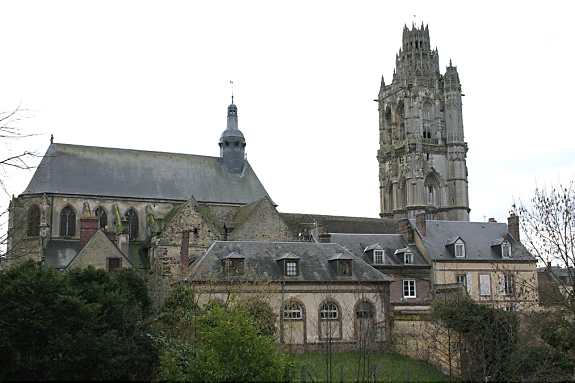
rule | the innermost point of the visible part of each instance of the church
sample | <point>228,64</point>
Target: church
<point>209,222</point>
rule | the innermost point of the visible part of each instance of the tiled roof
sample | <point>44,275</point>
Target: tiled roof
<point>90,170</point>
<point>262,262</point>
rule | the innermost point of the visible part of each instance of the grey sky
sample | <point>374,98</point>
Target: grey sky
<point>154,76</point>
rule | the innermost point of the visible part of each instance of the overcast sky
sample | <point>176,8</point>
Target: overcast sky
<point>155,76</point>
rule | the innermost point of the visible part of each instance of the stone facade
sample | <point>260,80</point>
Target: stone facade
<point>422,151</point>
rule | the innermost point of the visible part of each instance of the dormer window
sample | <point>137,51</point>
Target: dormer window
<point>234,264</point>
<point>291,268</point>
<point>344,267</point>
<point>408,258</point>
<point>459,250</point>
<point>378,257</point>
<point>505,249</point>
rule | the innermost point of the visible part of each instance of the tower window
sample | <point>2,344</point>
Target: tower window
<point>67,222</point>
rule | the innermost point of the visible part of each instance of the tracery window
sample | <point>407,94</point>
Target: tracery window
<point>132,218</point>
<point>102,217</point>
<point>33,221</point>
<point>68,222</point>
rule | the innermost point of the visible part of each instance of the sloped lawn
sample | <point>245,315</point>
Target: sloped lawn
<point>347,367</point>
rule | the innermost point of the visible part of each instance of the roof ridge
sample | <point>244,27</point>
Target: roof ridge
<point>129,150</point>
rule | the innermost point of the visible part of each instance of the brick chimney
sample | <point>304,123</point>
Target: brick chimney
<point>420,223</point>
<point>513,226</point>
<point>405,230</point>
<point>88,224</point>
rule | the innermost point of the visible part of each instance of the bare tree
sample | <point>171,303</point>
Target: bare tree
<point>548,226</point>
<point>11,159</point>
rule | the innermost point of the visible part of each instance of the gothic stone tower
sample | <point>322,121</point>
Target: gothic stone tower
<point>422,151</point>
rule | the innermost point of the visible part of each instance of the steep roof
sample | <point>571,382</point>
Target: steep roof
<point>261,262</point>
<point>340,224</point>
<point>91,170</point>
<point>358,243</point>
<point>481,239</point>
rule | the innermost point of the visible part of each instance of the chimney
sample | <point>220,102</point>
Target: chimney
<point>492,220</point>
<point>420,223</point>
<point>185,251</point>
<point>513,226</point>
<point>88,225</point>
<point>324,238</point>
<point>405,230</point>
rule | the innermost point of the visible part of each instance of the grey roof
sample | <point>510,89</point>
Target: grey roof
<point>261,262</point>
<point>359,244</point>
<point>60,252</point>
<point>90,170</point>
<point>561,273</point>
<point>340,224</point>
<point>479,238</point>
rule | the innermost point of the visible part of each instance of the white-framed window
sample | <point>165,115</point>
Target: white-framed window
<point>460,250</point>
<point>505,250</point>
<point>291,268</point>
<point>409,288</point>
<point>293,311</point>
<point>378,257</point>
<point>461,279</point>
<point>328,311</point>
<point>484,285</point>
<point>508,284</point>
<point>408,258</point>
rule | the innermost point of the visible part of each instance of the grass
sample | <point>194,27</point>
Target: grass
<point>389,367</point>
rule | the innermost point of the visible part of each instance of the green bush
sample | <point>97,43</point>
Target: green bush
<point>73,326</point>
<point>262,315</point>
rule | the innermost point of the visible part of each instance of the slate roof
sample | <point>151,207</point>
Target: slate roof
<point>112,172</point>
<point>359,243</point>
<point>60,252</point>
<point>479,238</point>
<point>561,273</point>
<point>261,262</point>
<point>340,224</point>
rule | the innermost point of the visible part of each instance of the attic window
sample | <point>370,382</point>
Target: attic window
<point>114,263</point>
<point>291,268</point>
<point>459,250</point>
<point>344,267</point>
<point>234,266</point>
<point>378,257</point>
<point>505,249</point>
<point>408,258</point>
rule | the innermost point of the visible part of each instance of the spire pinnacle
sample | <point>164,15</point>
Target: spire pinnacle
<point>232,90</point>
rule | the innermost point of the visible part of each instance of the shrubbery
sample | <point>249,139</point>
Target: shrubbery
<point>73,326</point>
<point>217,343</point>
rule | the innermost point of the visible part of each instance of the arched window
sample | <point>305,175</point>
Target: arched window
<point>432,191</point>
<point>401,120</point>
<point>293,311</point>
<point>34,221</point>
<point>364,320</point>
<point>329,321</point>
<point>427,122</point>
<point>387,117</point>
<point>68,222</point>
<point>102,217</point>
<point>132,218</point>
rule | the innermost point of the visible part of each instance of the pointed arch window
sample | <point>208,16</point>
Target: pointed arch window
<point>100,213</point>
<point>68,222</point>
<point>33,221</point>
<point>401,117</point>
<point>432,190</point>
<point>132,218</point>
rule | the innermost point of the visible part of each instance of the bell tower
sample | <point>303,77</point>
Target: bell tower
<point>232,143</point>
<point>422,152</point>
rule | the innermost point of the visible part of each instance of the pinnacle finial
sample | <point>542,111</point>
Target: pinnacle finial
<point>232,89</point>
<point>51,138</point>
<point>450,65</point>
